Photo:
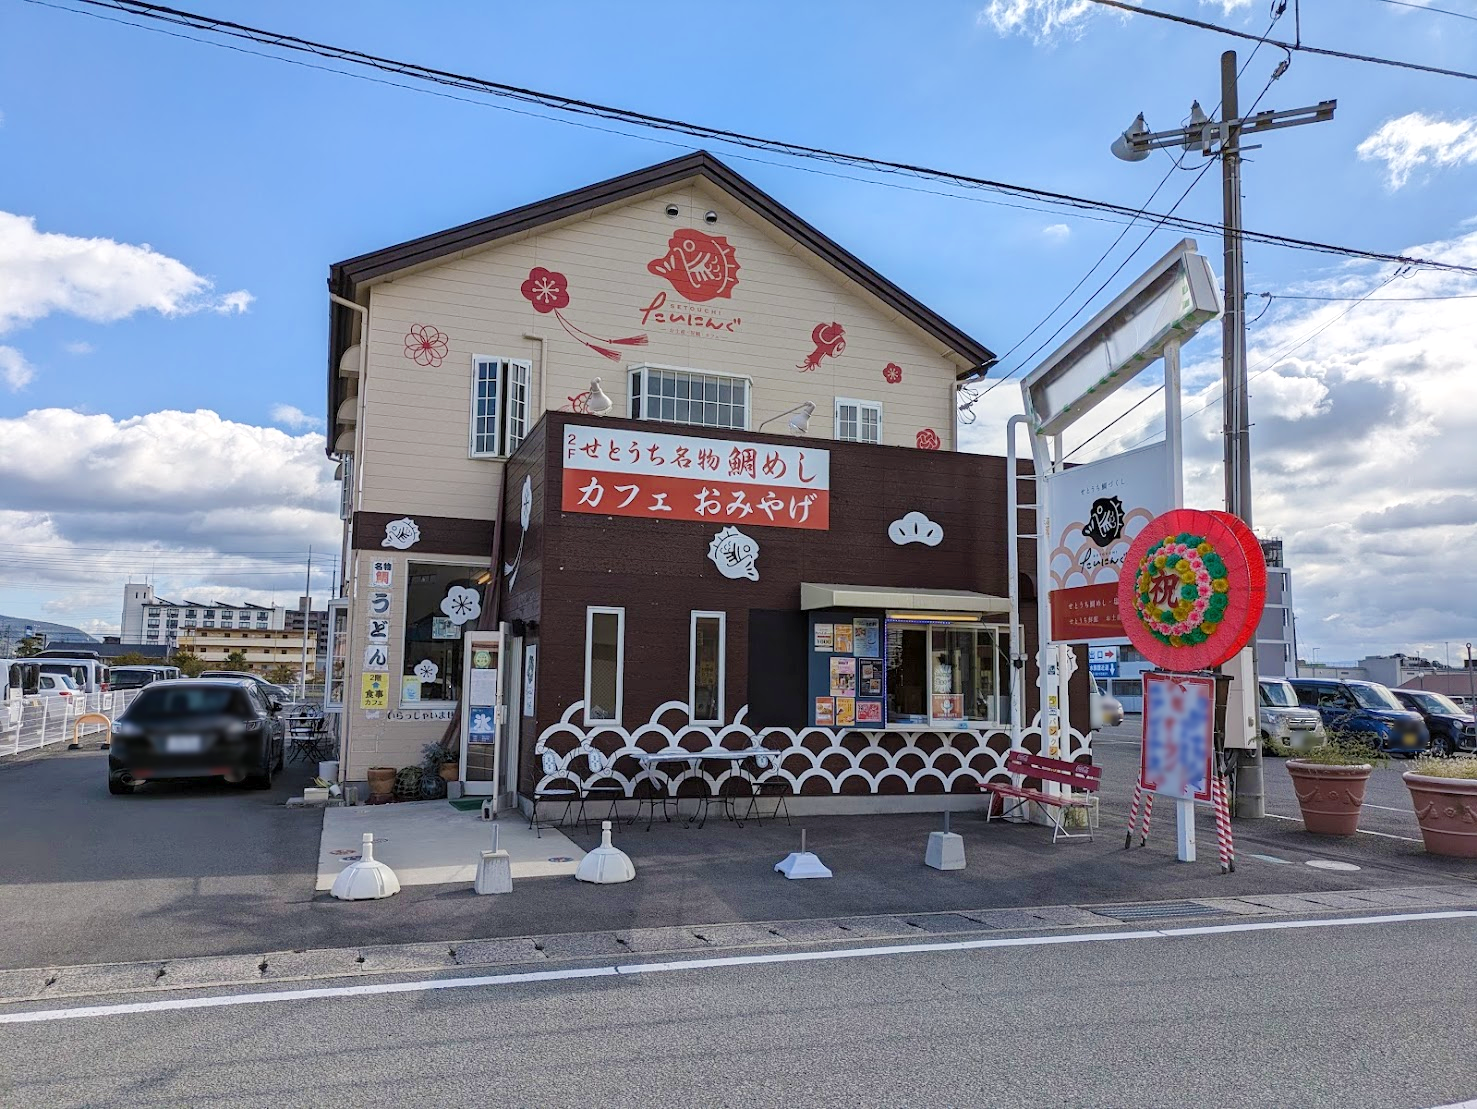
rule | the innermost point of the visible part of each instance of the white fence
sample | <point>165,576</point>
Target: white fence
<point>46,721</point>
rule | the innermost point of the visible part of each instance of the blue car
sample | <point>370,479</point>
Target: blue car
<point>1364,709</point>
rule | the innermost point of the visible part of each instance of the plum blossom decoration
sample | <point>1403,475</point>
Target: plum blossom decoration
<point>548,291</point>
<point>892,373</point>
<point>427,671</point>
<point>426,345</point>
<point>461,604</point>
<point>928,440</point>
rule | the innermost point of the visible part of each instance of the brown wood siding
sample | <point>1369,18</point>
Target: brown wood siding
<point>439,534</point>
<point>659,572</point>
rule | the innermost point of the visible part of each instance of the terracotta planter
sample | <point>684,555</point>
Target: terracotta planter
<point>448,771</point>
<point>381,780</point>
<point>1446,809</point>
<point>1330,796</point>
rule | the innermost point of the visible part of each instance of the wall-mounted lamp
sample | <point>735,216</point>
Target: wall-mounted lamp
<point>599,404</point>
<point>799,422</point>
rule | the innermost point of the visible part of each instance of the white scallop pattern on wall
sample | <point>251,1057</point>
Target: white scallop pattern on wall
<point>884,760</point>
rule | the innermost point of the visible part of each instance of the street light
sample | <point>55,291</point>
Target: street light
<point>799,422</point>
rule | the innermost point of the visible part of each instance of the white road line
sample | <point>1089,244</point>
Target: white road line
<point>39,1015</point>
<point>1361,831</point>
<point>1388,808</point>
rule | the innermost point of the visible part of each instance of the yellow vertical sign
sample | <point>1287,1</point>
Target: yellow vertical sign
<point>376,691</point>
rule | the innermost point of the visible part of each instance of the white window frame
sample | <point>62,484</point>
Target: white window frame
<point>644,369</point>
<point>859,405</point>
<point>511,412</point>
<point>620,663</point>
<point>722,618</point>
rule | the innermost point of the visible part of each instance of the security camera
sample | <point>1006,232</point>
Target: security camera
<point>673,211</point>
<point>1123,147</point>
<point>710,217</point>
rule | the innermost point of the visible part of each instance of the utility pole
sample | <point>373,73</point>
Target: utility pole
<point>1223,138</point>
<point>307,607</point>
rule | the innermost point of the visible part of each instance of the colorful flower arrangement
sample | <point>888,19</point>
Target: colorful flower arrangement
<point>1182,590</point>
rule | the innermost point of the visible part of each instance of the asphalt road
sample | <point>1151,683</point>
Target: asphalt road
<point>1371,1015</point>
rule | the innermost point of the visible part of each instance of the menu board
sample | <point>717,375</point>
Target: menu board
<point>847,672</point>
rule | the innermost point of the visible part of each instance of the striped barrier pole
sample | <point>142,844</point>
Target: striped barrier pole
<point>1223,825</point>
<point>1148,809</point>
<point>1133,813</point>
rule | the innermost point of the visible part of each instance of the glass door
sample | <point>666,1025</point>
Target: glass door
<point>482,712</point>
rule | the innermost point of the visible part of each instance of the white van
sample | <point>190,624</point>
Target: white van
<point>90,675</point>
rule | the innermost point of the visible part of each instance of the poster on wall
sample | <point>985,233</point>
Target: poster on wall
<point>379,603</point>
<point>843,677</point>
<point>378,631</point>
<point>530,676</point>
<point>381,573</point>
<point>869,677</point>
<point>1095,512</point>
<point>869,712</point>
<point>655,476</point>
<point>410,690</point>
<point>948,706</point>
<point>845,711</point>
<point>843,639</point>
<point>444,627</point>
<point>868,637</point>
<point>374,691</point>
<point>482,724</point>
<point>825,711</point>
<point>823,637</point>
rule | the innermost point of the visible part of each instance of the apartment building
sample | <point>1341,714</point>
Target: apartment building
<point>149,619</point>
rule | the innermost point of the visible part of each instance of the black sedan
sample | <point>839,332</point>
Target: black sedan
<point>193,728</point>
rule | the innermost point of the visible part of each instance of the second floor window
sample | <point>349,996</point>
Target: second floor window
<point>698,398</point>
<point>500,401</point>
<point>858,421</point>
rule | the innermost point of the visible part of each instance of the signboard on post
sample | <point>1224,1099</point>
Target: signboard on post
<point>1095,512</point>
<point>1179,736</point>
<point>1102,662</point>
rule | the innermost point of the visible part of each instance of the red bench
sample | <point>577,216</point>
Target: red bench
<point>1076,776</point>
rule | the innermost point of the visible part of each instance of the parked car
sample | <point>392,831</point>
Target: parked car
<point>1107,712</point>
<point>271,689</point>
<point>1364,708</point>
<point>194,728</point>
<point>1452,727</point>
<point>1282,720</point>
<point>90,675</point>
<point>59,686</point>
<point>134,677</point>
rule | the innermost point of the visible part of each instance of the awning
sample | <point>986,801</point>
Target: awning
<point>879,596</point>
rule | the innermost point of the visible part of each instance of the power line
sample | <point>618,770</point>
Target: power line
<point>1372,300</point>
<point>1425,8</point>
<point>1202,25</point>
<point>570,105</point>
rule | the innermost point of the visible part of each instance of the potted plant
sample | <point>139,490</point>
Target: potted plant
<point>438,761</point>
<point>381,780</point>
<point>1444,793</point>
<point>1330,780</point>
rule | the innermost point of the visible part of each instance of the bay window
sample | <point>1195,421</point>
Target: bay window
<point>699,398</point>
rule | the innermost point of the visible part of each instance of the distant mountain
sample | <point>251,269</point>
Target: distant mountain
<point>13,630</point>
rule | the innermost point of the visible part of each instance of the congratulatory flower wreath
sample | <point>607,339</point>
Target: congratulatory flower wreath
<point>1182,590</point>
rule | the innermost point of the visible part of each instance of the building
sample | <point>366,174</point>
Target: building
<point>264,648</point>
<point>317,621</point>
<point>1276,635</point>
<point>695,461</point>
<point>110,648</point>
<point>151,619</point>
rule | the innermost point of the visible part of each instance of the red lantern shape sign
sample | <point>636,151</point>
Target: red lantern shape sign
<point>1192,589</point>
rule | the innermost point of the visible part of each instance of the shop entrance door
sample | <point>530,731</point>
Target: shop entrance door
<point>482,718</point>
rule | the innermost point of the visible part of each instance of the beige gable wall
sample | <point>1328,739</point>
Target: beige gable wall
<point>414,453</point>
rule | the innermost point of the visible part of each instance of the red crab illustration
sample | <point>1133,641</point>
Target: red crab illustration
<point>699,266</point>
<point>425,344</point>
<point>928,440</point>
<point>892,373</point>
<point>830,341</point>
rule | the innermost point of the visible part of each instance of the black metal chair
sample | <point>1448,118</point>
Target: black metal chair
<point>771,784</point>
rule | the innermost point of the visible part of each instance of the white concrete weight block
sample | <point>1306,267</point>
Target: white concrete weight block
<point>494,873</point>
<point>945,851</point>
<point>365,879</point>
<point>802,864</point>
<point>606,865</point>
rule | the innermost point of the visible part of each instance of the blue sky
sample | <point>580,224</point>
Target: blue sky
<point>255,175</point>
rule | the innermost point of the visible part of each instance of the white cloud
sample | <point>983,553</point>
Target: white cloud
<point>234,304</point>
<point>79,346</point>
<point>1411,141</point>
<point>1056,233</point>
<point>209,506</point>
<point>1361,450</point>
<point>15,371</point>
<point>1047,20</point>
<point>295,418</point>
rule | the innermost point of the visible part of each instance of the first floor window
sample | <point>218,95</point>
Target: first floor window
<point>500,402</point>
<point>695,397</point>
<point>441,603</point>
<point>947,673</point>
<point>858,421</point>
<point>706,664</point>
<point>605,664</point>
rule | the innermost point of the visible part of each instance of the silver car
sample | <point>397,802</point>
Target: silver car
<point>1282,719</point>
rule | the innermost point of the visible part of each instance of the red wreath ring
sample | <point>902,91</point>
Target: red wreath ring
<point>1245,589</point>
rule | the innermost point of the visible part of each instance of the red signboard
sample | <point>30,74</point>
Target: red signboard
<point>610,472</point>
<point>1085,612</point>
